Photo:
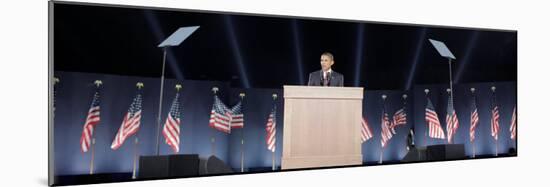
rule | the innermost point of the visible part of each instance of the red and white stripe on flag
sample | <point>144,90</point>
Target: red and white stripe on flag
<point>221,122</point>
<point>386,132</point>
<point>237,121</point>
<point>271,132</point>
<point>366,132</point>
<point>513,125</point>
<point>171,129</point>
<point>237,116</point>
<point>452,125</point>
<point>399,118</point>
<point>130,124</point>
<point>171,132</point>
<point>220,116</point>
<point>91,121</point>
<point>434,127</point>
<point>129,127</point>
<point>474,121</point>
<point>494,122</point>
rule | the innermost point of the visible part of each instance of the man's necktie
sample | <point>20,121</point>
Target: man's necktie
<point>325,80</point>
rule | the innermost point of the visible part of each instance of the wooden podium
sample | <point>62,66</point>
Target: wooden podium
<point>322,126</point>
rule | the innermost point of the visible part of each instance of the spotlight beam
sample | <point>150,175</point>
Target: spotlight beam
<point>298,50</point>
<point>471,45</point>
<point>154,25</point>
<point>419,47</point>
<point>359,53</point>
<point>236,51</point>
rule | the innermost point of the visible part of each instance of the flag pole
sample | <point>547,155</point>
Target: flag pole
<point>160,99</point>
<point>450,91</point>
<point>135,158</point>
<point>92,159</point>
<point>452,107</point>
<point>405,111</point>
<point>212,132</point>
<point>427,127</point>
<point>382,129</point>
<point>451,81</point>
<point>241,95</point>
<point>473,141</point>
<point>273,160</point>
<point>493,88</point>
<point>274,96</point>
<point>242,151</point>
<point>98,83</point>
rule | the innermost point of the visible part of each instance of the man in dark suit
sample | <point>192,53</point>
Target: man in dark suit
<point>325,76</point>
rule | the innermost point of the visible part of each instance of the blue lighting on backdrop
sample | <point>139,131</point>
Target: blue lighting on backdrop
<point>74,93</point>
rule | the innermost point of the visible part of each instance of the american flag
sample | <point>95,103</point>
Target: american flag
<point>171,129</point>
<point>494,119</point>
<point>474,120</point>
<point>366,132</point>
<point>451,119</point>
<point>130,124</point>
<point>385,132</point>
<point>220,116</point>
<point>399,118</point>
<point>271,130</point>
<point>513,125</point>
<point>434,127</point>
<point>92,120</point>
<point>237,116</point>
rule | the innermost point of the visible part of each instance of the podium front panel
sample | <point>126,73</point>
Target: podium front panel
<point>321,127</point>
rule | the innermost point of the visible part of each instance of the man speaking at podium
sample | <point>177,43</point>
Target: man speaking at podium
<point>325,76</point>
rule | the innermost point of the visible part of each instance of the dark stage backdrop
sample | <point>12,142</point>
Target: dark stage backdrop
<point>75,91</point>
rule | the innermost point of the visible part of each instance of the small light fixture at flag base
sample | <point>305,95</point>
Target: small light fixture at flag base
<point>178,87</point>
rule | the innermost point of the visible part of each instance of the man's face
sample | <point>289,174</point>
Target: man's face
<point>326,62</point>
